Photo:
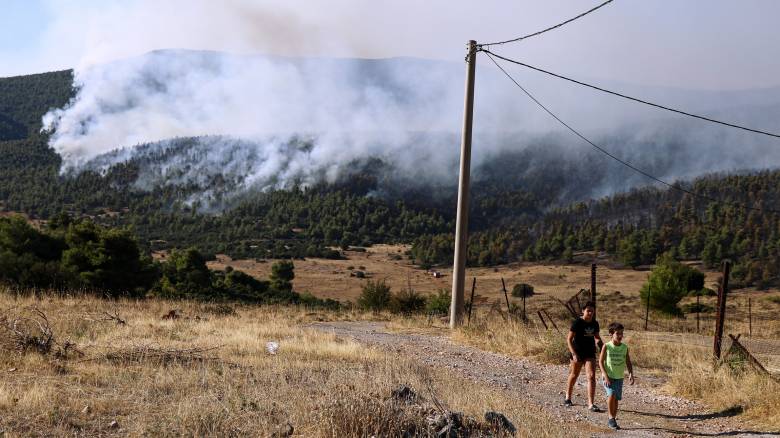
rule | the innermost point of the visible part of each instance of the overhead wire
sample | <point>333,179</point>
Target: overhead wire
<point>612,156</point>
<point>635,99</point>
<point>549,28</point>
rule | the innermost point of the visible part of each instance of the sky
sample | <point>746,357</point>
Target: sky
<point>697,44</point>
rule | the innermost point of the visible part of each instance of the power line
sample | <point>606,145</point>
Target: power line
<point>635,99</point>
<point>623,162</point>
<point>549,28</point>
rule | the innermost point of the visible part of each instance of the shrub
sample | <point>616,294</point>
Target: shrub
<point>669,282</point>
<point>309,300</point>
<point>703,292</point>
<point>375,296</point>
<point>221,310</point>
<point>439,303</point>
<point>282,275</point>
<point>407,301</point>
<point>697,308</point>
<point>522,289</point>
<point>554,349</point>
<point>185,275</point>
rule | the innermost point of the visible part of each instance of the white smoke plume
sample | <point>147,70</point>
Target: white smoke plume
<point>248,111</point>
<point>405,111</point>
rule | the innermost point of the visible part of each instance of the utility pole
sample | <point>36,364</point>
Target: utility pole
<point>462,224</point>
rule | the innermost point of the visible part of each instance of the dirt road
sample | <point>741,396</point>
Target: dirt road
<point>645,412</point>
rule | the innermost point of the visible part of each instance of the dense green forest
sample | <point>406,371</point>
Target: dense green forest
<point>77,254</point>
<point>512,217</point>
<point>638,226</point>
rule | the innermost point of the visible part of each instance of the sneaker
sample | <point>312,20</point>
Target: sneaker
<point>568,402</point>
<point>612,423</point>
<point>594,408</point>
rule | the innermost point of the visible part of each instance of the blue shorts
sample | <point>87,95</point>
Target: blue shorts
<point>615,388</point>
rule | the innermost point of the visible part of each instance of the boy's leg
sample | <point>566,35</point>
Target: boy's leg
<point>612,405</point>
<point>574,372</point>
<point>590,369</point>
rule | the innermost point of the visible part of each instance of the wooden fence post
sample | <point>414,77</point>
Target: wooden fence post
<point>525,316</point>
<point>721,315</point>
<point>471,302</point>
<point>552,321</point>
<point>647,309</point>
<point>503,286</point>
<point>750,318</point>
<point>541,318</point>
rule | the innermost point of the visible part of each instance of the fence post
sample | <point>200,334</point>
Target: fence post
<point>552,321</point>
<point>750,318</point>
<point>721,316</point>
<point>471,302</point>
<point>698,310</point>
<point>541,318</point>
<point>525,316</point>
<point>503,286</point>
<point>647,309</point>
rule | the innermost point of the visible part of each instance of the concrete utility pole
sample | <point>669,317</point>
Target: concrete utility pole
<point>462,224</point>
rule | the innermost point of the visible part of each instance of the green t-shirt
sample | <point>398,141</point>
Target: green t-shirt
<point>615,362</point>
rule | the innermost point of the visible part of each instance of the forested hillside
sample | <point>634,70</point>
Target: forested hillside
<point>519,203</point>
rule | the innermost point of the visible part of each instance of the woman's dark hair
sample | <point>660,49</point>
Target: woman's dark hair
<point>589,304</point>
<point>615,326</point>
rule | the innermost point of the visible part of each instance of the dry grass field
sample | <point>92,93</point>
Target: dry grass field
<point>207,373</point>
<point>69,366</point>
<point>331,278</point>
<point>618,289</point>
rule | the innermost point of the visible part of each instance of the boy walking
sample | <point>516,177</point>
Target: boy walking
<point>614,360</point>
<point>582,339</point>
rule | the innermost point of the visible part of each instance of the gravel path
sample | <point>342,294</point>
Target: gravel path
<point>644,412</point>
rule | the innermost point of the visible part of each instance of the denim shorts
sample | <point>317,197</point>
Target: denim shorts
<point>615,388</point>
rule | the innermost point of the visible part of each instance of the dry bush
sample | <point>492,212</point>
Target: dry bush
<point>28,330</point>
<point>370,415</point>
<point>516,338</point>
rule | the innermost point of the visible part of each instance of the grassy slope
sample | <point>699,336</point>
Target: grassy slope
<point>321,385</point>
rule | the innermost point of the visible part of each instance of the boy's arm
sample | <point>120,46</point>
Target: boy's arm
<point>630,367</point>
<point>602,358</point>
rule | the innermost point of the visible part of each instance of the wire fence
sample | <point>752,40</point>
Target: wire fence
<point>554,306</point>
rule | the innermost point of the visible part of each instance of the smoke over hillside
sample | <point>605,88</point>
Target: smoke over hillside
<point>269,122</point>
